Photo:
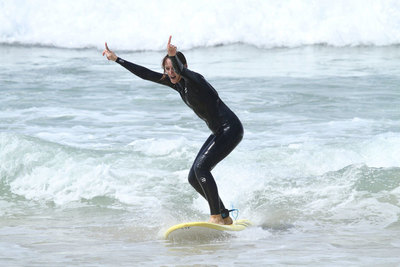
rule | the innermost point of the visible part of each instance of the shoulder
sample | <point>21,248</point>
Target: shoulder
<point>192,76</point>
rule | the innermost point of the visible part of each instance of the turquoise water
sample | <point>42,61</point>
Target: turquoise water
<point>94,161</point>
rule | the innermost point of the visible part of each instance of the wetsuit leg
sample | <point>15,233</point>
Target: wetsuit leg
<point>192,176</point>
<point>213,151</point>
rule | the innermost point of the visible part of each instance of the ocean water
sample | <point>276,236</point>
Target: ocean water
<point>94,161</point>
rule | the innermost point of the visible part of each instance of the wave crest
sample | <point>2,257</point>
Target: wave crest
<point>146,25</point>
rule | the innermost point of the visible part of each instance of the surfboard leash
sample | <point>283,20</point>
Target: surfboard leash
<point>225,213</point>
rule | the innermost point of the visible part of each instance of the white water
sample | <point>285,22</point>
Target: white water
<point>146,25</point>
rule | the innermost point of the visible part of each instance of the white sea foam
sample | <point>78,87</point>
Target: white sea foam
<point>46,171</point>
<point>146,25</point>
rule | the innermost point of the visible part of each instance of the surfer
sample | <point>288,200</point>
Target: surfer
<point>201,97</point>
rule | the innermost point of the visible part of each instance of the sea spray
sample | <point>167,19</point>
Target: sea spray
<point>145,25</point>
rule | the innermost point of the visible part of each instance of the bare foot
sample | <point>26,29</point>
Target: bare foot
<point>216,219</point>
<point>228,220</point>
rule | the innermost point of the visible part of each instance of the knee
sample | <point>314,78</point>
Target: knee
<point>196,175</point>
<point>200,171</point>
<point>196,168</point>
<point>192,177</point>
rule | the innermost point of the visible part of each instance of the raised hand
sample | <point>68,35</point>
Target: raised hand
<point>171,49</point>
<point>109,54</point>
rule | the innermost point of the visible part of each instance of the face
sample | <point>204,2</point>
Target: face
<point>169,69</point>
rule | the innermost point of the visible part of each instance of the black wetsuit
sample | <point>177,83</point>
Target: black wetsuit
<point>226,128</point>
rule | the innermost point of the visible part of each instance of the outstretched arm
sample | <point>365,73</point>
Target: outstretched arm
<point>138,70</point>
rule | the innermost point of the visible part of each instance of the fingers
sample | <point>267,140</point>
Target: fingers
<point>106,50</point>
<point>171,49</point>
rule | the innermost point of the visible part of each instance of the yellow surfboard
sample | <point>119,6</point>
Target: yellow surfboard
<point>204,230</point>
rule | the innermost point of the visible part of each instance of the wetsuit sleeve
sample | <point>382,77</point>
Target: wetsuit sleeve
<point>187,74</point>
<point>144,73</point>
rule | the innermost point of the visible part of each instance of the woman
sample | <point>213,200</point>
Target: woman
<point>201,97</point>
